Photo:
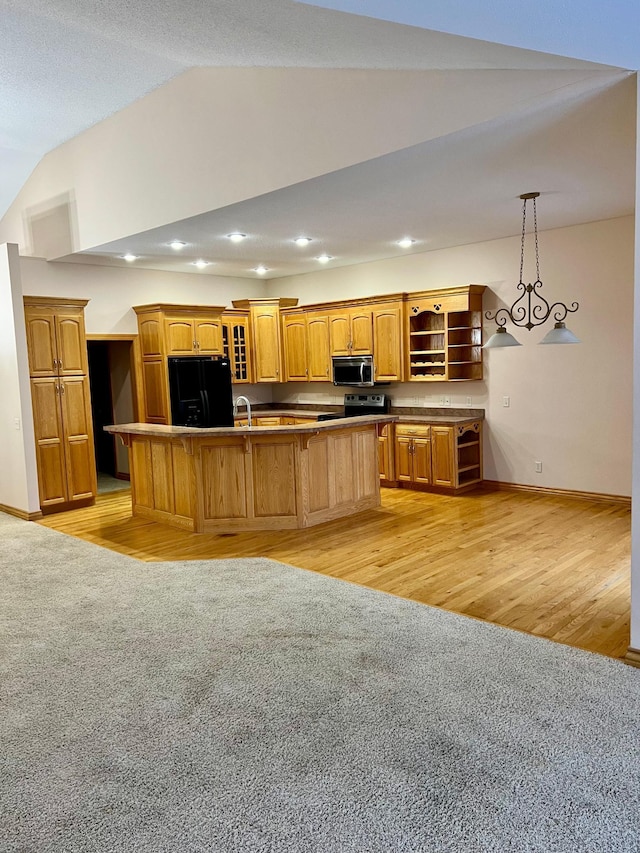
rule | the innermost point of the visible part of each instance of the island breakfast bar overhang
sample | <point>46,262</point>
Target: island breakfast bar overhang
<point>232,479</point>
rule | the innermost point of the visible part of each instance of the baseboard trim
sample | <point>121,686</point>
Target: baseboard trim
<point>496,485</point>
<point>632,657</point>
<point>21,513</point>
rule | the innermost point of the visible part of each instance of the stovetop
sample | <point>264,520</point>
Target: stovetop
<point>356,405</point>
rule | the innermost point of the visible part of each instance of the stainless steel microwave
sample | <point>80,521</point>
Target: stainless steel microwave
<point>354,370</point>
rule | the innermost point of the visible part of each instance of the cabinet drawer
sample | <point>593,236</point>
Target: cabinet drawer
<point>413,430</point>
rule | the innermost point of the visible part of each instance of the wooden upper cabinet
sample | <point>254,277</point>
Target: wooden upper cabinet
<point>166,329</point>
<point>56,340</point>
<point>150,333</point>
<point>294,328</point>
<point>235,344</point>
<point>208,336</point>
<point>318,357</point>
<point>180,336</point>
<point>197,336</point>
<point>266,338</point>
<point>350,331</point>
<point>387,342</point>
<point>340,334</point>
<point>361,330</point>
<point>72,344</point>
<point>444,334</point>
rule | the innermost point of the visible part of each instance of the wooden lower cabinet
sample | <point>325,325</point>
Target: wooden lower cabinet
<point>445,458</point>
<point>64,439</point>
<point>413,454</point>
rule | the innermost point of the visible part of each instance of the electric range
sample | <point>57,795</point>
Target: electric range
<point>356,405</point>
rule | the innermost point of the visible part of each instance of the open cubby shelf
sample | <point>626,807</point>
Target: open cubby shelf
<point>460,345</point>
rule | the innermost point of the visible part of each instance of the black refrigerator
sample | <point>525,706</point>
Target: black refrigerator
<point>200,391</point>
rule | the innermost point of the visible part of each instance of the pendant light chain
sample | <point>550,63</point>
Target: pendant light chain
<point>535,231</point>
<point>531,309</point>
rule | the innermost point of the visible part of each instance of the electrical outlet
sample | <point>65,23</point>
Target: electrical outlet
<point>538,467</point>
<point>416,401</point>
<point>447,401</point>
<point>506,402</point>
<point>469,401</point>
<point>16,423</point>
<point>442,400</point>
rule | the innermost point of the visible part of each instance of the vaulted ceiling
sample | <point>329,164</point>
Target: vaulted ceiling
<point>146,123</point>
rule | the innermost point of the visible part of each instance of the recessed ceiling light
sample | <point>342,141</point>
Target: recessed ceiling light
<point>176,245</point>
<point>302,241</point>
<point>236,237</point>
<point>129,257</point>
<point>405,243</point>
<point>261,269</point>
<point>324,258</point>
<point>201,264</point>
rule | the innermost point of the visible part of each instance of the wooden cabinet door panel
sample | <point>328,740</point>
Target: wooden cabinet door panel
<point>150,332</point>
<point>208,336</point>
<point>403,458</point>
<point>41,343</point>
<point>47,418</point>
<point>295,349</point>
<point>78,437</point>
<point>387,343</point>
<point>318,356</point>
<point>339,334</point>
<point>442,456</point>
<point>361,331</point>
<point>72,347</point>
<point>266,344</point>
<point>421,460</point>
<point>156,398</point>
<point>180,336</point>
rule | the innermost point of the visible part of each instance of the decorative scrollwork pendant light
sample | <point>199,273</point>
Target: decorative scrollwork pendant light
<point>531,309</point>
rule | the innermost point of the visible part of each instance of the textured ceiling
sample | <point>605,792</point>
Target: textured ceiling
<point>66,65</point>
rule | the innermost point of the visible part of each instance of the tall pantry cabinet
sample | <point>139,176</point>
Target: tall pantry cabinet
<point>58,368</point>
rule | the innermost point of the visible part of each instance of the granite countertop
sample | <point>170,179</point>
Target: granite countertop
<point>443,416</point>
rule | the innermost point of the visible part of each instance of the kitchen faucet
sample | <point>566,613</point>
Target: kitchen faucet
<point>247,404</point>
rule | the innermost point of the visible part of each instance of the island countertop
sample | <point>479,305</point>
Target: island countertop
<point>167,431</point>
<point>232,479</point>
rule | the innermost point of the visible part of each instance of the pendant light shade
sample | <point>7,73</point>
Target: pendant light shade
<point>560,335</point>
<point>531,309</point>
<point>501,338</point>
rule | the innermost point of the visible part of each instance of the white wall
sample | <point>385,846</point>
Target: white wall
<point>18,477</point>
<point>570,406</point>
<point>112,291</point>
<point>635,507</point>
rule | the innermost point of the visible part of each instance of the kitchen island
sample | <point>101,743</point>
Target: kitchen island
<point>230,479</point>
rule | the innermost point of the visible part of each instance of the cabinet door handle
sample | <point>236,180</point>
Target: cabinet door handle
<point>57,388</point>
<point>195,344</point>
<point>62,387</point>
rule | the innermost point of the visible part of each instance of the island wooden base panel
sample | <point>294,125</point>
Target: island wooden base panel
<point>554,566</point>
<point>254,481</point>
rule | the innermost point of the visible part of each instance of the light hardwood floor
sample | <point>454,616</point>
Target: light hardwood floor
<point>556,567</point>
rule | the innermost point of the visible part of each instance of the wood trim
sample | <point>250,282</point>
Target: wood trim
<point>496,485</point>
<point>21,513</point>
<point>114,337</point>
<point>55,301</point>
<point>632,657</point>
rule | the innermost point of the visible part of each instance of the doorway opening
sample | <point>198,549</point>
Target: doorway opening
<point>112,402</point>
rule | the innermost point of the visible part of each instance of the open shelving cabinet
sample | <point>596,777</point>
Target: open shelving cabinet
<point>444,333</point>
